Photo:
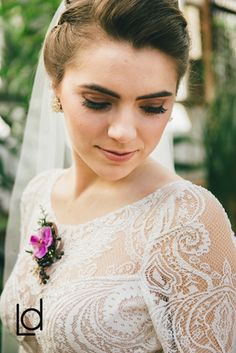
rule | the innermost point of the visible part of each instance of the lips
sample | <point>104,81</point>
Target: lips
<point>118,153</point>
<point>117,156</point>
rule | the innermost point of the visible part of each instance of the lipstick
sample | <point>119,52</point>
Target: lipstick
<point>117,156</point>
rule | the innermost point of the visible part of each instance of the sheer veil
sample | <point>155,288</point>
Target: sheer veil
<point>45,146</point>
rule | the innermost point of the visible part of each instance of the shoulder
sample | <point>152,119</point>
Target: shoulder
<point>191,225</point>
<point>201,200</point>
<point>197,202</point>
<point>192,210</point>
<point>37,184</point>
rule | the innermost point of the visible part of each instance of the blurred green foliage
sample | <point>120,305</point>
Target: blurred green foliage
<point>196,92</point>
<point>23,25</point>
<point>220,129</point>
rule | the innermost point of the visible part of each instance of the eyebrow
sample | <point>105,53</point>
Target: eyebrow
<point>100,89</point>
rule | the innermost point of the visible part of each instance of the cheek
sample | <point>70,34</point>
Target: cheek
<point>81,124</point>
<point>85,126</point>
<point>154,130</point>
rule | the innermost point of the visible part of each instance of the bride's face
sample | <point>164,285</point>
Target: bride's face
<point>118,99</point>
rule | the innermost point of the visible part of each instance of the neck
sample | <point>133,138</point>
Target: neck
<point>82,179</point>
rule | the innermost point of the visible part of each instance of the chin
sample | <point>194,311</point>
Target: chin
<point>115,174</point>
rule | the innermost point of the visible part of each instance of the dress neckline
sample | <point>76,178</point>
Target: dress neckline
<point>101,219</point>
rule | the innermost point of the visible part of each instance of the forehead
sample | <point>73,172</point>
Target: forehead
<point>120,66</point>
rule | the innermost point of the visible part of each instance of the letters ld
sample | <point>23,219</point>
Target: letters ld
<point>40,324</point>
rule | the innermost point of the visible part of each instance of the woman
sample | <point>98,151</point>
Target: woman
<point>140,266</point>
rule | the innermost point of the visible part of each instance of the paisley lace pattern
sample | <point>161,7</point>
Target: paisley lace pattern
<point>156,275</point>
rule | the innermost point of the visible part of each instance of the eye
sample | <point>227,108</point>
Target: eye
<point>95,105</point>
<point>151,110</point>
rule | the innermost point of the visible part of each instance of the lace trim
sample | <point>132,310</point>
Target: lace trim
<point>108,216</point>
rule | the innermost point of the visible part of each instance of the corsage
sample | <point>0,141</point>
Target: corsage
<point>46,249</point>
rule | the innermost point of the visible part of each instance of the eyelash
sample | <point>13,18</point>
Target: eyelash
<point>149,110</point>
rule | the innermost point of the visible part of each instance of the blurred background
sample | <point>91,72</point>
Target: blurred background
<point>204,141</point>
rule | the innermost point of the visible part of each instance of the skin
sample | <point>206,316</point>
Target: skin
<point>123,125</point>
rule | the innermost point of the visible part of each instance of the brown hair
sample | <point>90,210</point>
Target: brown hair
<point>156,24</point>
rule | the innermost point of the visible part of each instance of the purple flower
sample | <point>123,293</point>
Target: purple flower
<point>41,241</point>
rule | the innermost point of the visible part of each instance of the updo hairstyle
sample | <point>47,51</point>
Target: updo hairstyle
<point>157,24</point>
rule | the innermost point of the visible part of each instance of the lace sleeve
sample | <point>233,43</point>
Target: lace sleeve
<point>189,276</point>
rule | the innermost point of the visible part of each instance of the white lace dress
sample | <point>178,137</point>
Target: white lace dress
<point>158,274</point>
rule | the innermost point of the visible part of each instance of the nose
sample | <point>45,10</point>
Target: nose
<point>123,128</point>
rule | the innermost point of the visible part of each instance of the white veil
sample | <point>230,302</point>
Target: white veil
<point>45,146</point>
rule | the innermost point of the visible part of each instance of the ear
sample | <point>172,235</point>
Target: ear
<point>56,89</point>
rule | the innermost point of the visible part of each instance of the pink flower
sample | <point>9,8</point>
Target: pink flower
<point>41,241</point>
